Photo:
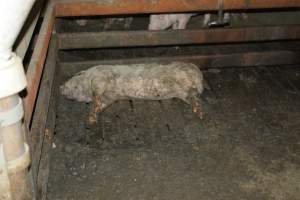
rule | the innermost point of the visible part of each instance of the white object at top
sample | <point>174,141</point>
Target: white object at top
<point>12,17</point>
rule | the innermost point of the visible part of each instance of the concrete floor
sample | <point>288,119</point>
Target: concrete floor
<point>246,147</point>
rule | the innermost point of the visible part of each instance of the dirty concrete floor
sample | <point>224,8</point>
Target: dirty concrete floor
<point>246,147</point>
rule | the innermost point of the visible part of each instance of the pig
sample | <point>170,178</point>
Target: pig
<point>179,21</point>
<point>176,21</point>
<point>104,84</point>
<point>165,21</point>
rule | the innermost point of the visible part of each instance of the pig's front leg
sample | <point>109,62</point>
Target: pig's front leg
<point>98,87</point>
<point>99,103</point>
<point>95,108</point>
<point>197,107</point>
<point>206,20</point>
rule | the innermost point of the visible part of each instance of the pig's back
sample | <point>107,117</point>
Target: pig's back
<point>147,72</point>
<point>155,80</point>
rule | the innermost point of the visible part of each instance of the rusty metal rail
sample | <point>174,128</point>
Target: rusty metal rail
<point>36,65</point>
<point>39,136</point>
<point>108,7</point>
<point>176,37</point>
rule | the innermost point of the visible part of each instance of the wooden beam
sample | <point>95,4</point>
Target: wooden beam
<point>109,7</point>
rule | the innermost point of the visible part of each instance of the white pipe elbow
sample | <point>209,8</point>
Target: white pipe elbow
<point>12,76</point>
<point>12,17</point>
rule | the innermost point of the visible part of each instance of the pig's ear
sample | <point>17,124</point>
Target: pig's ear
<point>62,89</point>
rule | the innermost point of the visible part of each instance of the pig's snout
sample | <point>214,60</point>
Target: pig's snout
<point>64,90</point>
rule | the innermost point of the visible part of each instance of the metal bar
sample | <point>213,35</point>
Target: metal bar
<point>37,132</point>
<point>204,61</point>
<point>108,7</point>
<point>176,37</point>
<point>44,165</point>
<point>36,64</point>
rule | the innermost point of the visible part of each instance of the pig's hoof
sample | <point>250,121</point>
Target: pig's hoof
<point>195,110</point>
<point>92,120</point>
<point>198,113</point>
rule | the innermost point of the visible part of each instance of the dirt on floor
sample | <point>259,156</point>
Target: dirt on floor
<point>246,147</point>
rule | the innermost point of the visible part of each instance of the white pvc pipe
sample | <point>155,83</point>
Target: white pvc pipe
<point>13,13</point>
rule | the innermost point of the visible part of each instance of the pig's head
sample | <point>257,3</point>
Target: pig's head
<point>159,22</point>
<point>77,88</point>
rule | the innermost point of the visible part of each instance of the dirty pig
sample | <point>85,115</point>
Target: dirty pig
<point>165,21</point>
<point>104,84</point>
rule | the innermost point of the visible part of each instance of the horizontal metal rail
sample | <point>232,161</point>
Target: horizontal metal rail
<point>176,37</point>
<point>108,7</point>
<point>268,58</point>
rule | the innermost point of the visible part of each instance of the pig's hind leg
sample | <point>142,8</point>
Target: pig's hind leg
<point>206,20</point>
<point>195,102</point>
<point>175,25</point>
<point>181,23</point>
